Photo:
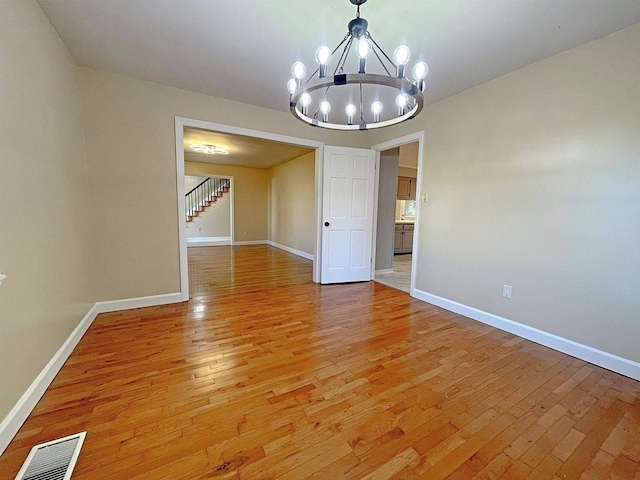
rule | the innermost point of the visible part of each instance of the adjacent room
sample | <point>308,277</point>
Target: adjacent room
<point>341,239</point>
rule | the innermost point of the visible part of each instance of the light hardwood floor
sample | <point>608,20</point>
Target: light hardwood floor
<point>400,278</point>
<point>264,374</point>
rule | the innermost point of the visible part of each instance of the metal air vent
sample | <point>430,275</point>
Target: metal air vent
<point>52,460</point>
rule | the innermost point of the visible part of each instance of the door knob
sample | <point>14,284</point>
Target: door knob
<point>326,224</point>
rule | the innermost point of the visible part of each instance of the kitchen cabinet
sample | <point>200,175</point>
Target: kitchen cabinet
<point>403,239</point>
<point>407,188</point>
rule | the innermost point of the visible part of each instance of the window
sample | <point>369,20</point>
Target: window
<point>405,209</point>
<point>409,209</point>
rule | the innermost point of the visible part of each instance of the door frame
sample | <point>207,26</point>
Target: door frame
<point>180,123</point>
<point>380,147</point>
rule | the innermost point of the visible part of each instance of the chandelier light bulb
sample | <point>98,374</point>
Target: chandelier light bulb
<point>292,85</point>
<point>363,48</point>
<point>420,71</point>
<point>305,100</point>
<point>323,55</point>
<point>350,110</point>
<point>325,107</point>
<point>401,101</point>
<point>298,70</point>
<point>376,108</point>
<point>401,55</point>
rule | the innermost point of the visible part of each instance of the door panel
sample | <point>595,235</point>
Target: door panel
<point>347,208</point>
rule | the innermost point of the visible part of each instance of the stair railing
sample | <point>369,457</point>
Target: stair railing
<point>203,194</point>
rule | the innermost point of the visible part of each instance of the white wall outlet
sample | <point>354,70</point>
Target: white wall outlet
<point>199,229</point>
<point>506,291</point>
<point>424,197</point>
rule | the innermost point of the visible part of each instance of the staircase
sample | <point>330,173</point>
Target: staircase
<point>202,196</point>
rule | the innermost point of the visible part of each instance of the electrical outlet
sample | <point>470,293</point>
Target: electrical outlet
<point>199,229</point>
<point>425,197</point>
<point>506,291</point>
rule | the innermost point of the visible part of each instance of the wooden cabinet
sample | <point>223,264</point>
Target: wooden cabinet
<point>406,188</point>
<point>403,239</point>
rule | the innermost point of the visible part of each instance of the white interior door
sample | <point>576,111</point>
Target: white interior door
<point>347,214</point>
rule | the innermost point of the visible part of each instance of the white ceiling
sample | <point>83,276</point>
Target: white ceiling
<point>243,49</point>
<point>243,151</point>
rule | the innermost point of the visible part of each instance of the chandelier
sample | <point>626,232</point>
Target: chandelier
<point>377,81</point>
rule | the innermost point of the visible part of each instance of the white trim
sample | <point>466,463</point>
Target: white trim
<point>251,242</point>
<point>300,253</point>
<point>182,215</point>
<point>386,270</point>
<point>207,241</point>
<point>22,409</point>
<point>180,123</point>
<point>317,252</point>
<point>412,137</point>
<point>139,302</point>
<point>589,354</point>
<point>376,191</point>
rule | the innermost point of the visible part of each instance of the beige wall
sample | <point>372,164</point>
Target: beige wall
<point>292,198</point>
<point>44,213</point>
<point>534,181</point>
<point>130,142</point>
<point>251,205</point>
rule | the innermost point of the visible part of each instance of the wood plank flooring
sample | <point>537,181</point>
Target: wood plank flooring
<point>264,374</point>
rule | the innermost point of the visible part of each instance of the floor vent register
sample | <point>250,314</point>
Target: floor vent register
<point>52,460</point>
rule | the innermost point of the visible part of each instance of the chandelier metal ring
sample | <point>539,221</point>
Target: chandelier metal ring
<point>401,84</point>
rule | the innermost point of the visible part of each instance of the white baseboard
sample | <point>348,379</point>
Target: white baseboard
<point>300,253</point>
<point>250,242</point>
<point>208,241</point>
<point>589,354</point>
<point>139,302</point>
<point>21,410</point>
<point>386,270</point>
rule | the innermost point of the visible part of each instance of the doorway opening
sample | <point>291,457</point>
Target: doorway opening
<point>267,174</point>
<point>398,206</point>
